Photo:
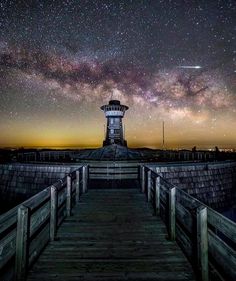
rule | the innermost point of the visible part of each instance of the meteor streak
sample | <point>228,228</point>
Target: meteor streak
<point>190,66</point>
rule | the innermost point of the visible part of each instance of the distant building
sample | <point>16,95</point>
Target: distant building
<point>114,112</point>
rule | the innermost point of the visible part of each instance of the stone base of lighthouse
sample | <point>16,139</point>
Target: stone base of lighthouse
<point>109,142</point>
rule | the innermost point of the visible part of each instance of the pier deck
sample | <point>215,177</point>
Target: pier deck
<point>112,235</point>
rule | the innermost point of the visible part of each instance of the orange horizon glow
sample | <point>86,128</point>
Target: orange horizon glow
<point>83,127</point>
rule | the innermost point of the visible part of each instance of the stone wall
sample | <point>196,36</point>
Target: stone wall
<point>212,183</point>
<point>20,181</point>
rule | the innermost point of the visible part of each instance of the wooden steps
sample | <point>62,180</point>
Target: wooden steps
<point>112,235</point>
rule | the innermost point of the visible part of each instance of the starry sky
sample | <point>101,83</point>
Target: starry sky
<point>172,61</point>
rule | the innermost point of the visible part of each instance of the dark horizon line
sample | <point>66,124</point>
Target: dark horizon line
<point>187,147</point>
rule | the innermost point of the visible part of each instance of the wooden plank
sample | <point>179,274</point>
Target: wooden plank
<point>77,187</point>
<point>116,176</point>
<point>7,247</point>
<point>142,178</point>
<point>61,184</point>
<point>108,164</point>
<point>172,219</point>
<point>35,201</point>
<point>184,216</point>
<point>61,197</point>
<point>184,241</point>
<point>61,214</point>
<point>114,170</point>
<point>223,224</point>
<point>163,195</point>
<point>202,242</point>
<point>8,219</point>
<point>148,186</point>
<point>223,255</point>
<point>84,179</point>
<point>72,185</point>
<point>38,244</point>
<point>68,196</point>
<point>39,217</point>
<point>163,185</point>
<point>53,213</point>
<point>22,240</point>
<point>187,200</point>
<point>157,195</point>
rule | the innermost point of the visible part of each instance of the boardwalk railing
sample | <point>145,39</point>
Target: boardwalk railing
<point>68,155</point>
<point>26,229</point>
<point>207,238</point>
<point>113,170</point>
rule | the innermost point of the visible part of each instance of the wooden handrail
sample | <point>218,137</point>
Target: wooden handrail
<point>207,238</point>
<point>26,229</point>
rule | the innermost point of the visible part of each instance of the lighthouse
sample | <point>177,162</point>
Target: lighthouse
<point>114,112</point>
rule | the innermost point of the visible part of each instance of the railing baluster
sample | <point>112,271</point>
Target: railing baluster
<point>53,213</point>
<point>68,195</point>
<point>143,179</point>
<point>202,242</point>
<point>84,172</point>
<point>172,201</point>
<point>87,177</point>
<point>157,195</point>
<point>149,185</point>
<point>77,187</point>
<point>22,240</point>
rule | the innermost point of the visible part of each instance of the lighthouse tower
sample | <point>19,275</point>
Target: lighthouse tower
<point>114,112</point>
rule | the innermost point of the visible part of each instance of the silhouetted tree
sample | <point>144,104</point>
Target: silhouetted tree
<point>194,149</point>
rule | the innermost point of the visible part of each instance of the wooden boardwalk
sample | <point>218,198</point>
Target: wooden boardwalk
<point>112,235</point>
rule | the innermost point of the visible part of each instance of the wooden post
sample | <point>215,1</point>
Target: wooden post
<point>202,242</point>
<point>68,195</point>
<point>149,185</point>
<point>143,178</point>
<point>22,240</point>
<point>84,179</point>
<point>77,187</point>
<point>157,195</point>
<point>172,200</point>
<point>53,213</point>
<point>87,177</point>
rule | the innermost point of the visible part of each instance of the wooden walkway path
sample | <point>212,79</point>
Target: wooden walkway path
<point>112,235</point>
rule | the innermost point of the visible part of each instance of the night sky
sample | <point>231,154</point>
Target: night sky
<point>167,60</point>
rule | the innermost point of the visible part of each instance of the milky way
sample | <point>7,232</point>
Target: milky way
<point>80,54</point>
